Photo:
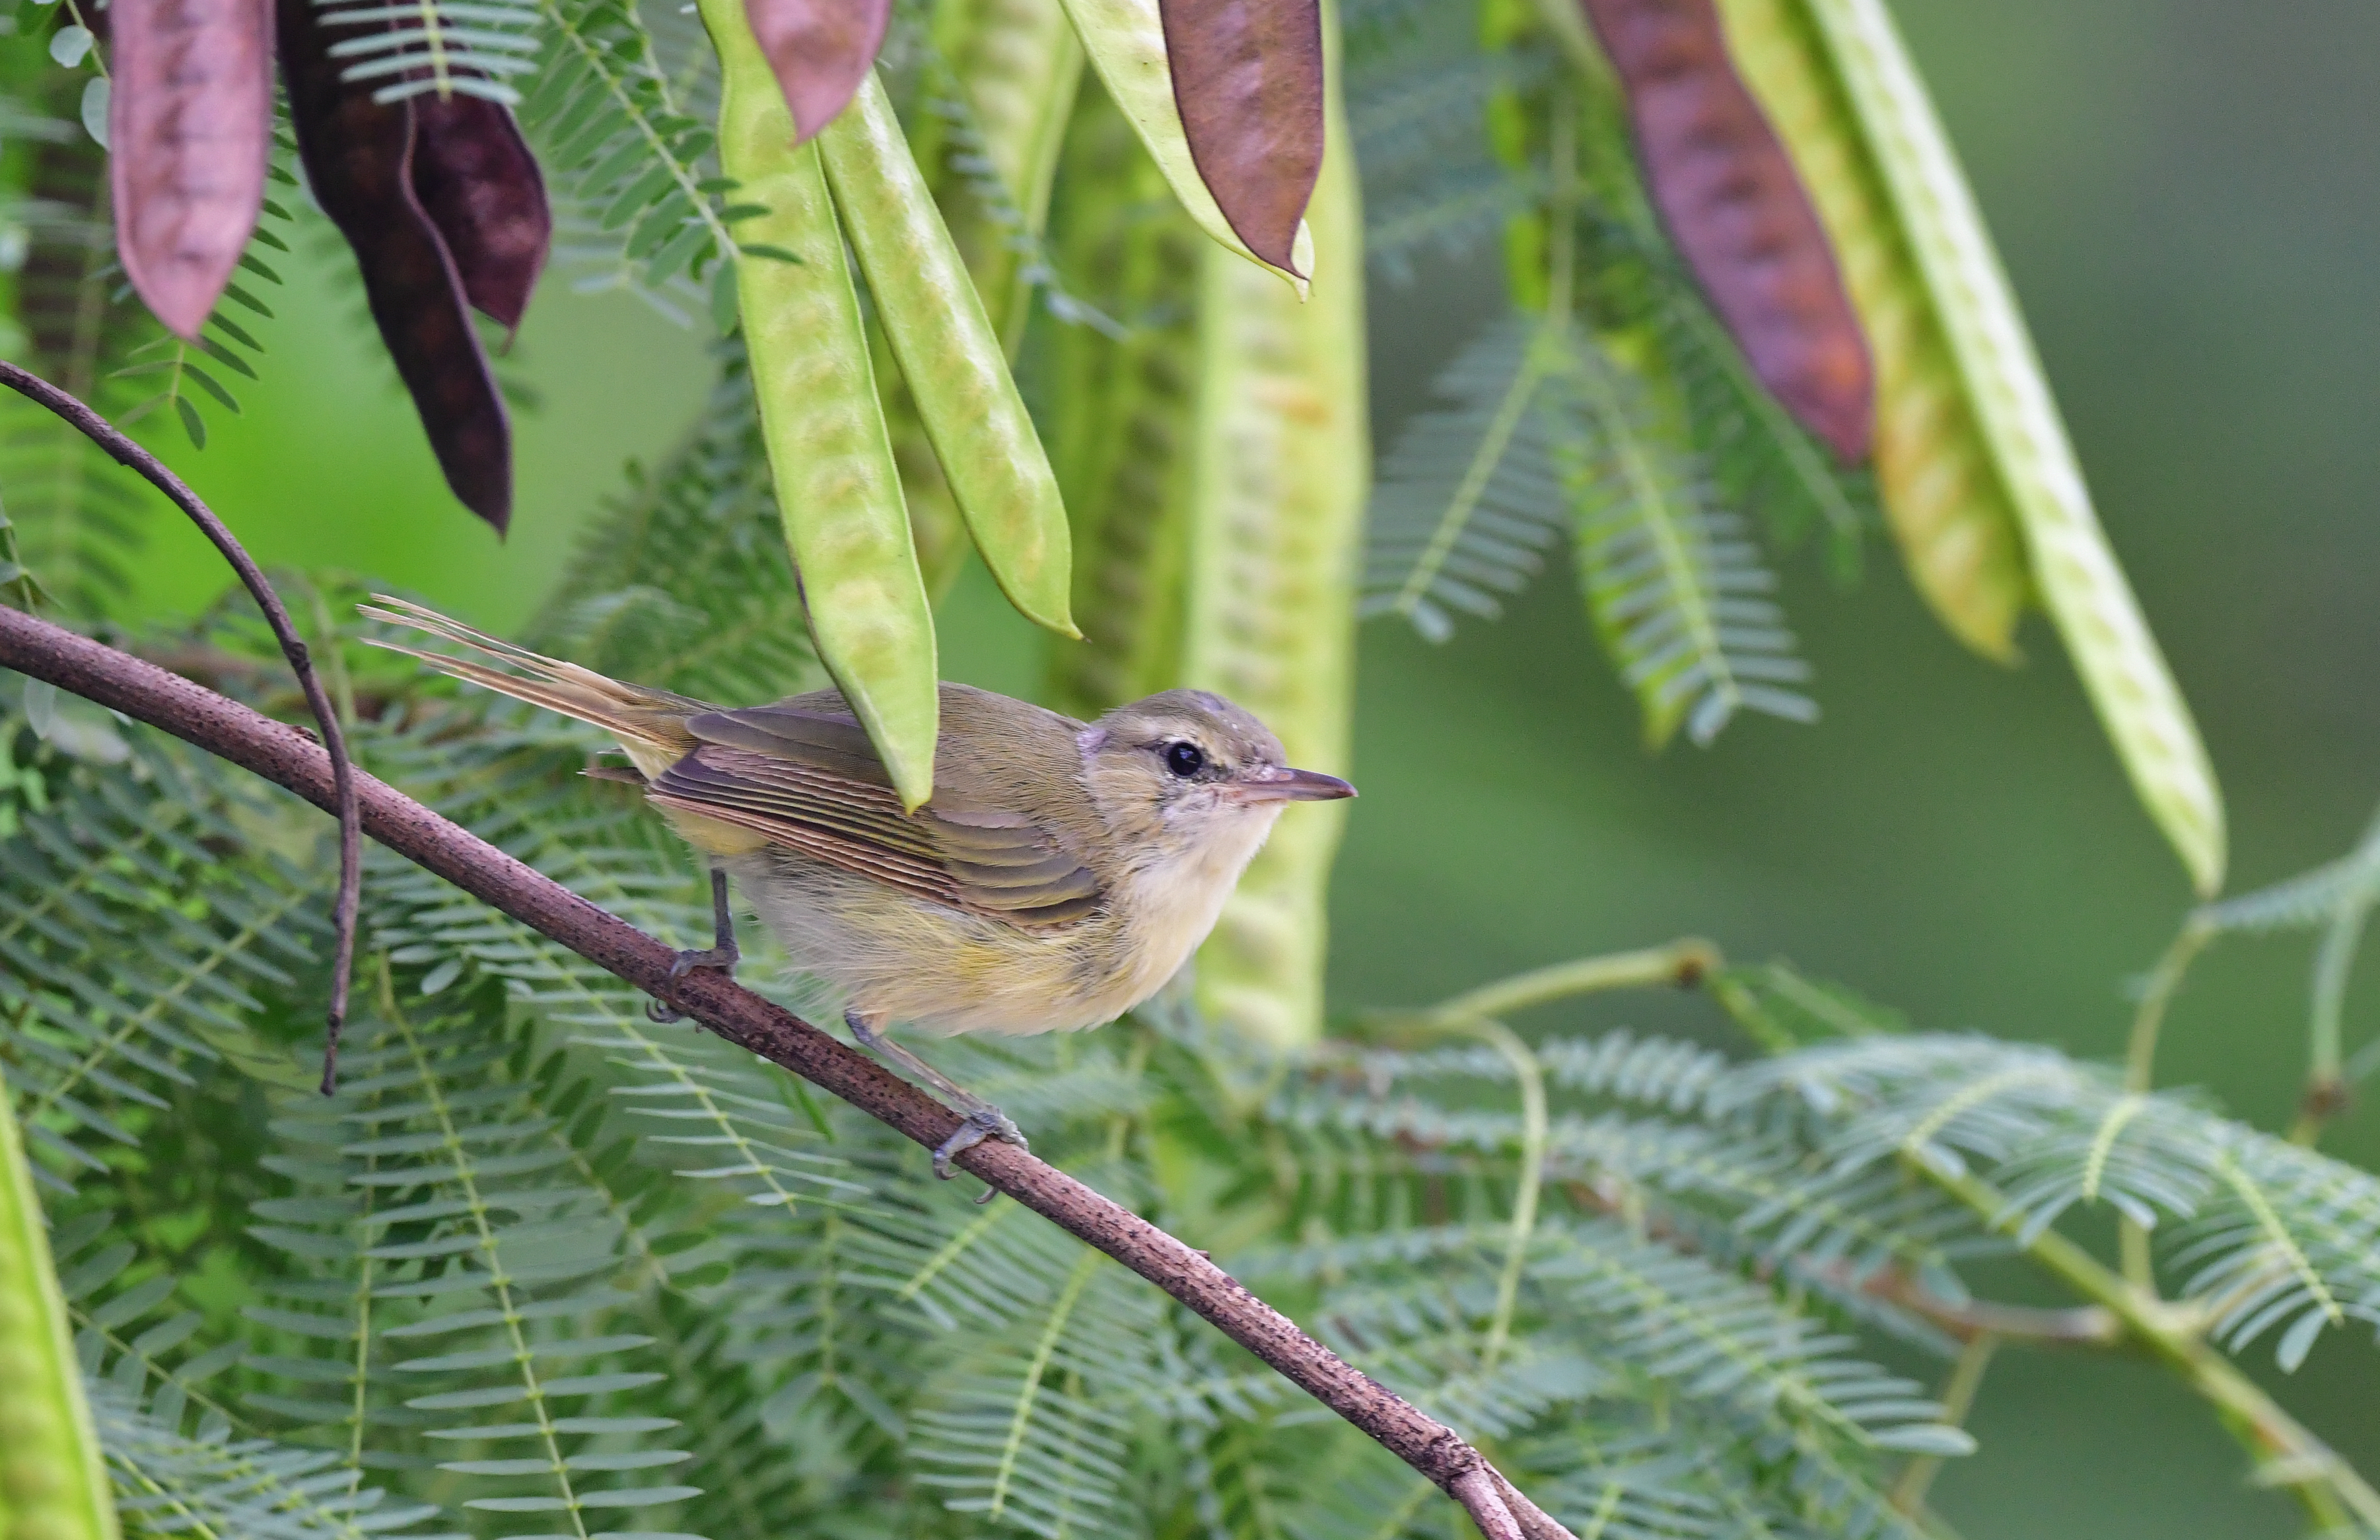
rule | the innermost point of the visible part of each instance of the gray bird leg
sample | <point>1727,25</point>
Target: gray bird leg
<point>721,956</point>
<point>983,1120</point>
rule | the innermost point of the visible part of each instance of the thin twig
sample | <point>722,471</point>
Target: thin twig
<point>99,431</point>
<point>1957,1399</point>
<point>2157,995</point>
<point>2081,1325</point>
<point>2140,1073</point>
<point>1683,963</point>
<point>280,754</point>
<point>1483,1498</point>
<point>2333,1491</point>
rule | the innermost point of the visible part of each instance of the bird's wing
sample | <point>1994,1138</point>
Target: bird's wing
<point>802,774</point>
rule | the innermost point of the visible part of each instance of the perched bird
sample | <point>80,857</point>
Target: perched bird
<point>1060,873</point>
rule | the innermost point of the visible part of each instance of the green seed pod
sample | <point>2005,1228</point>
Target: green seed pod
<point>1016,64</point>
<point>1282,471</point>
<point>1018,67</point>
<point>52,1483</point>
<point>935,527</point>
<point>1971,453</point>
<point>951,359</point>
<point>1126,410</point>
<point>838,490</point>
<point>1949,511</point>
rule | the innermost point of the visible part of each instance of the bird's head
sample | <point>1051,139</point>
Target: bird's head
<point>1188,773</point>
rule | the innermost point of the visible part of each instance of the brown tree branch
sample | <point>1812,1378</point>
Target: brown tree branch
<point>283,755</point>
<point>99,431</point>
<point>2081,1325</point>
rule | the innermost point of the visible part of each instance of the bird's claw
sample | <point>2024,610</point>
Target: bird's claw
<point>981,1123</point>
<point>718,959</point>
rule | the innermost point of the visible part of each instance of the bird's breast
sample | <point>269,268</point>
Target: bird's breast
<point>1165,909</point>
<point>912,961</point>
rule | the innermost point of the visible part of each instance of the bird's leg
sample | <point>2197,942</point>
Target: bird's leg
<point>721,956</point>
<point>983,1120</point>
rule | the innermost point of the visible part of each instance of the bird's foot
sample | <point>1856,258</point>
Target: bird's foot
<point>718,959</point>
<point>982,1121</point>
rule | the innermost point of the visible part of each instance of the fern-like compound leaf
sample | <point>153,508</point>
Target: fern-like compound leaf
<point>1470,496</point>
<point>639,201</point>
<point>101,1031</point>
<point>1678,590</point>
<point>433,47</point>
<point>2348,884</point>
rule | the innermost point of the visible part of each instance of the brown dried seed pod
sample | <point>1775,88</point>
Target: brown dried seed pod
<point>819,50</point>
<point>189,126</point>
<point>480,184</point>
<point>1247,77</point>
<point>359,159</point>
<point>1730,199</point>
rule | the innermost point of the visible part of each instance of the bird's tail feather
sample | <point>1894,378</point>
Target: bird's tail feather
<point>638,717</point>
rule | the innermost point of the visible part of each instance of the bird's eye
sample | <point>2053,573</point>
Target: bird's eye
<point>1184,760</point>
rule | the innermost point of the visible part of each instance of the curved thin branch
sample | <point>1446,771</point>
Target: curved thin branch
<point>99,431</point>
<point>283,755</point>
<point>1484,1501</point>
<point>1682,963</point>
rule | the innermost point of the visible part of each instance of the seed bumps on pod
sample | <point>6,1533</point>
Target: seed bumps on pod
<point>1729,196</point>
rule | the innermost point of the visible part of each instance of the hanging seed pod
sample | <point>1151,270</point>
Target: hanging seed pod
<point>1248,78</point>
<point>1979,477</point>
<point>819,50</point>
<point>190,125</point>
<point>951,359</point>
<point>1739,214</point>
<point>989,157</point>
<point>1947,506</point>
<point>1280,476</point>
<point>480,184</point>
<point>359,159</point>
<point>838,489</point>
<point>1125,40</point>
<point>1123,414</point>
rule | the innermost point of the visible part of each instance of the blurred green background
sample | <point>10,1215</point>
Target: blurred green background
<point>2187,194</point>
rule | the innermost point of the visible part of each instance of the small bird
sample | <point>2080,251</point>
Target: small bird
<point>1059,875</point>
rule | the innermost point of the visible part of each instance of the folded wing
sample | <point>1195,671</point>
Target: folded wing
<point>802,774</point>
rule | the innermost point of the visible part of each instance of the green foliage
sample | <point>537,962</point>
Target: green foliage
<point>2334,899</point>
<point>542,1255</point>
<point>1419,94</point>
<point>683,583</point>
<point>443,47</point>
<point>74,515</point>
<point>547,1267</point>
<point>1678,590</point>
<point>627,151</point>
<point>1472,494</point>
<point>1611,409</point>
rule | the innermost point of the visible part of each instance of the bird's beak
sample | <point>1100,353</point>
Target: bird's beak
<point>1262,783</point>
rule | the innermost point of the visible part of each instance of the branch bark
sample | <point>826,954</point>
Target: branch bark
<point>286,757</point>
